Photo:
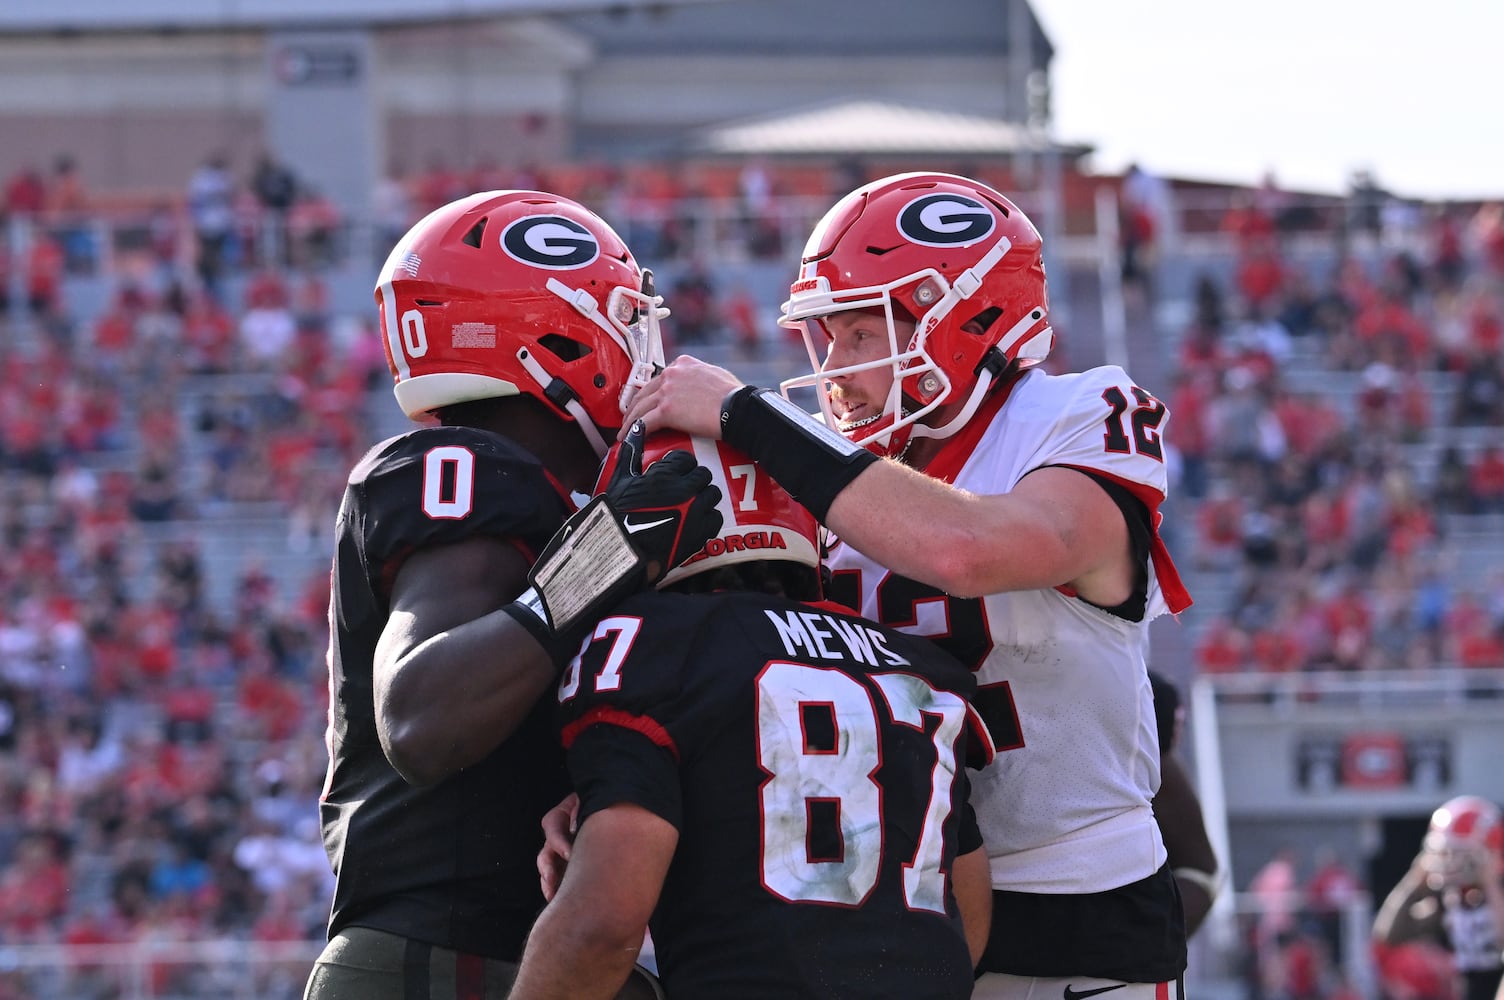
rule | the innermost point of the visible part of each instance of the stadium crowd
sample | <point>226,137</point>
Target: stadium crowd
<point>1329,498</point>
<point>161,756</point>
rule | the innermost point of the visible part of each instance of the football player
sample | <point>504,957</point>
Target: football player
<point>1008,513</point>
<point>1177,810</point>
<point>1452,898</point>
<point>514,323</point>
<point>777,783</point>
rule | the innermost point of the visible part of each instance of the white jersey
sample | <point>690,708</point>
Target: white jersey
<point>1064,807</point>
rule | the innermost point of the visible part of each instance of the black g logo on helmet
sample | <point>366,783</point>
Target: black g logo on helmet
<point>550,241</point>
<point>945,220</point>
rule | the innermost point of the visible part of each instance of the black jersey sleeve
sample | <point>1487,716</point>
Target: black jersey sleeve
<point>440,485</point>
<point>611,763</point>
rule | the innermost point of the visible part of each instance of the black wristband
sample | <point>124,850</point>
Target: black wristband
<point>528,611</point>
<point>808,459</point>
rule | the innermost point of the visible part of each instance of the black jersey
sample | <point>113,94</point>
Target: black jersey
<point>812,763</point>
<point>452,864</point>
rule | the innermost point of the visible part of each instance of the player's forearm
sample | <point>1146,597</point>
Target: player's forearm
<point>971,879</point>
<point>917,527</point>
<point>1195,903</point>
<point>1191,858</point>
<point>570,955</point>
<point>1395,922</point>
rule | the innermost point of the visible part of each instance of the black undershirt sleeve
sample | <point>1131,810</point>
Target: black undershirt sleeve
<point>1136,516</point>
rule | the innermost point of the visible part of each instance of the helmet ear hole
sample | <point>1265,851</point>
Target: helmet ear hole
<point>982,321</point>
<point>564,348</point>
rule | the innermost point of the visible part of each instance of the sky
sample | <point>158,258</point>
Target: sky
<point>1310,90</point>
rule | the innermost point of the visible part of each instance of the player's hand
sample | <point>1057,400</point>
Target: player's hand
<point>668,510</point>
<point>686,396</point>
<point>642,524</point>
<point>559,827</point>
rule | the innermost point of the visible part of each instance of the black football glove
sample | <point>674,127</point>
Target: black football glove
<point>669,511</point>
<point>627,538</point>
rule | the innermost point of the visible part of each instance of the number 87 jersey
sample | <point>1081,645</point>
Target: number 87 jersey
<point>813,764</point>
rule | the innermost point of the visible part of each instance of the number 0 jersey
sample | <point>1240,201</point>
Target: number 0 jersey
<point>812,763</point>
<point>452,864</point>
<point>1063,684</point>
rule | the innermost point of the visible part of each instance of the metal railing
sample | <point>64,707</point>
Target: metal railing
<point>1447,687</point>
<point>160,970</point>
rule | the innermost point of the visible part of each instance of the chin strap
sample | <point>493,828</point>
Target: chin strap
<point>561,395</point>
<point>992,366</point>
<point>978,393</point>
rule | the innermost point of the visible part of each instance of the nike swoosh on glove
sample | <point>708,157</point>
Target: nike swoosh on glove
<point>627,538</point>
<point>669,511</point>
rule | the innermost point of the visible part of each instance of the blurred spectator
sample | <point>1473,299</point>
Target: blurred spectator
<point>208,335</point>
<point>694,319</point>
<point>274,185</point>
<point>211,201</point>
<point>392,210</point>
<point>1452,491</point>
<point>1143,208</point>
<point>177,873</point>
<point>45,264</point>
<point>1261,277</point>
<point>25,193</point>
<point>155,493</point>
<point>67,207</point>
<point>313,229</point>
<point>33,889</point>
<point>1242,425</point>
<point>1366,201</point>
<point>267,332</point>
<point>1448,253</point>
<point>1190,402</point>
<point>1223,648</point>
<point>1332,889</point>
<point>1486,479</point>
<point>1480,392</point>
<point>1275,888</point>
<point>1487,232</point>
<point>438,185</point>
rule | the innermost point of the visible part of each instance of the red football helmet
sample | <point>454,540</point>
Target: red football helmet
<point>1460,829</point>
<point>944,250</point>
<point>519,292</point>
<point>759,520</point>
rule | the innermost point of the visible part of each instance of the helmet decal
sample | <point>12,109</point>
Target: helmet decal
<point>945,220</point>
<point>550,241</point>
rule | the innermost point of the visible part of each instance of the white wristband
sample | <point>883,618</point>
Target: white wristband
<point>1210,883</point>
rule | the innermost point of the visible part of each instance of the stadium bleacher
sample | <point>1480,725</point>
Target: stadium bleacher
<point>158,653</point>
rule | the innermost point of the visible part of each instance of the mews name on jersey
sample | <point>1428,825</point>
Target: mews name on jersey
<point>814,635</point>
